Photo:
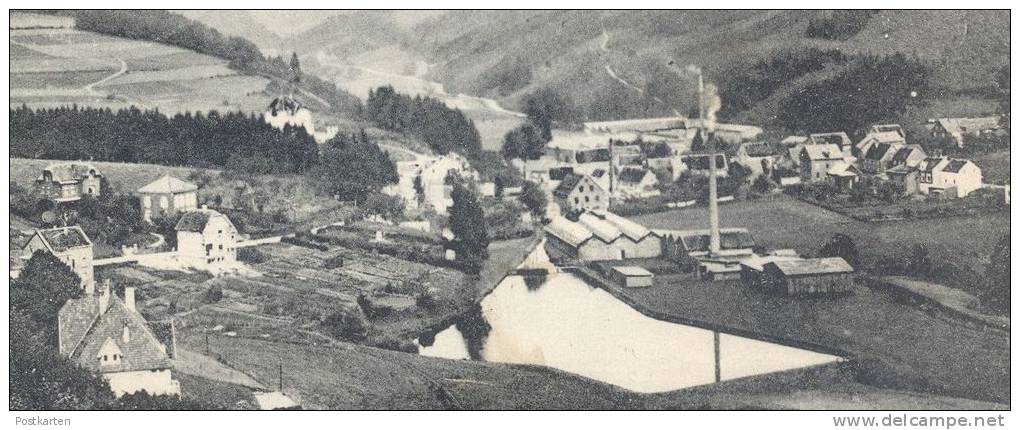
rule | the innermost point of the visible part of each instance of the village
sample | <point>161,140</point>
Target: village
<point>219,284</point>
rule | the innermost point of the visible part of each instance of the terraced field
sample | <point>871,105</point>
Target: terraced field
<point>60,67</point>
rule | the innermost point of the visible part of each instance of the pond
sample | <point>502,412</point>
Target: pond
<point>560,321</point>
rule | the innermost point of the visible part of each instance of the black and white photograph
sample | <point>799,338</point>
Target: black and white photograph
<point>267,209</point>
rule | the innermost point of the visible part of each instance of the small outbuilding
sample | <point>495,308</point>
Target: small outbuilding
<point>631,276</point>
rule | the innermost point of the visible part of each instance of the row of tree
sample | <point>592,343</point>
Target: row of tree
<point>135,136</point>
<point>443,129</point>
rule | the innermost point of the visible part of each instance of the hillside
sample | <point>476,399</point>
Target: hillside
<point>612,64</point>
<point>59,67</point>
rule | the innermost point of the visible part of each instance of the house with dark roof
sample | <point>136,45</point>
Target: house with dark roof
<point>167,195</point>
<point>698,162</point>
<point>909,155</point>
<point>69,244</point>
<point>207,240</point>
<point>891,134</point>
<point>956,129</point>
<point>106,335</point>
<point>581,193</point>
<point>68,182</point>
<point>690,249</point>
<point>878,156</point>
<point>948,177</point>
<point>636,182</point>
<point>760,157</point>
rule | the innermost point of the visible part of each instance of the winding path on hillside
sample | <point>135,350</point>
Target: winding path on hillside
<point>604,47</point>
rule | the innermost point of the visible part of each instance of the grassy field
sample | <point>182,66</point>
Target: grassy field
<point>784,222</point>
<point>897,346</point>
<point>54,67</point>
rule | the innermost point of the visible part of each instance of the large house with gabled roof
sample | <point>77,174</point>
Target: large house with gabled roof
<point>68,181</point>
<point>167,195</point>
<point>580,193</point>
<point>816,160</point>
<point>948,177</point>
<point>105,334</point>
<point>206,240</point>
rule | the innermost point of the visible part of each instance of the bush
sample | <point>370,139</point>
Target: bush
<point>333,262</point>
<point>345,325</point>
<point>212,295</point>
<point>373,310</point>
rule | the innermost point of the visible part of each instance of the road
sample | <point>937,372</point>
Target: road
<point>123,70</point>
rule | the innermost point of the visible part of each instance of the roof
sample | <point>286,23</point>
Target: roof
<point>558,173</point>
<point>838,138</point>
<point>826,151</point>
<point>69,172</point>
<point>61,239</point>
<point>902,154</point>
<point>758,263</point>
<point>274,400</point>
<point>812,266</point>
<point>193,221</point>
<point>604,225</point>
<point>882,137</point>
<point>954,166</point>
<point>843,169</point>
<point>84,331</point>
<point>877,151</point>
<point>167,184</point>
<point>632,271</point>
<point>887,128</point>
<point>632,175</point>
<point>901,169</point>
<point>567,185</point>
<point>793,140</point>
<point>699,161</point>
<point>568,231</point>
<point>286,103</point>
<point>959,126</point>
<point>758,149</point>
<point>929,164</point>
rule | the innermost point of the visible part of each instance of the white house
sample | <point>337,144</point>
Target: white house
<point>107,335</point>
<point>576,192</point>
<point>167,195</point>
<point>637,182</point>
<point>948,177</point>
<point>423,181</point>
<point>207,240</point>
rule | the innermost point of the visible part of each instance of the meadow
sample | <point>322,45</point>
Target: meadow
<point>55,67</point>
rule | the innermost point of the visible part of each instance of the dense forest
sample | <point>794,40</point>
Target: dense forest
<point>441,128</point>
<point>744,89</point>
<point>839,25</point>
<point>173,29</point>
<point>871,90</point>
<point>135,136</point>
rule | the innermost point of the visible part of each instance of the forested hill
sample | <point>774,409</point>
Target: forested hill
<point>613,64</point>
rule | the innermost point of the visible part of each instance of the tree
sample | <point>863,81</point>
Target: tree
<point>544,107</point>
<point>919,262</point>
<point>346,325</point>
<point>534,198</point>
<point>353,167</point>
<point>997,282</point>
<point>467,222</point>
<point>388,207</point>
<point>295,68</point>
<point>1002,81</point>
<point>762,185</point>
<point>524,142</point>
<point>840,245</point>
<point>43,287</point>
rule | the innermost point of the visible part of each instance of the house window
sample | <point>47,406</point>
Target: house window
<point>577,200</point>
<point>586,199</point>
